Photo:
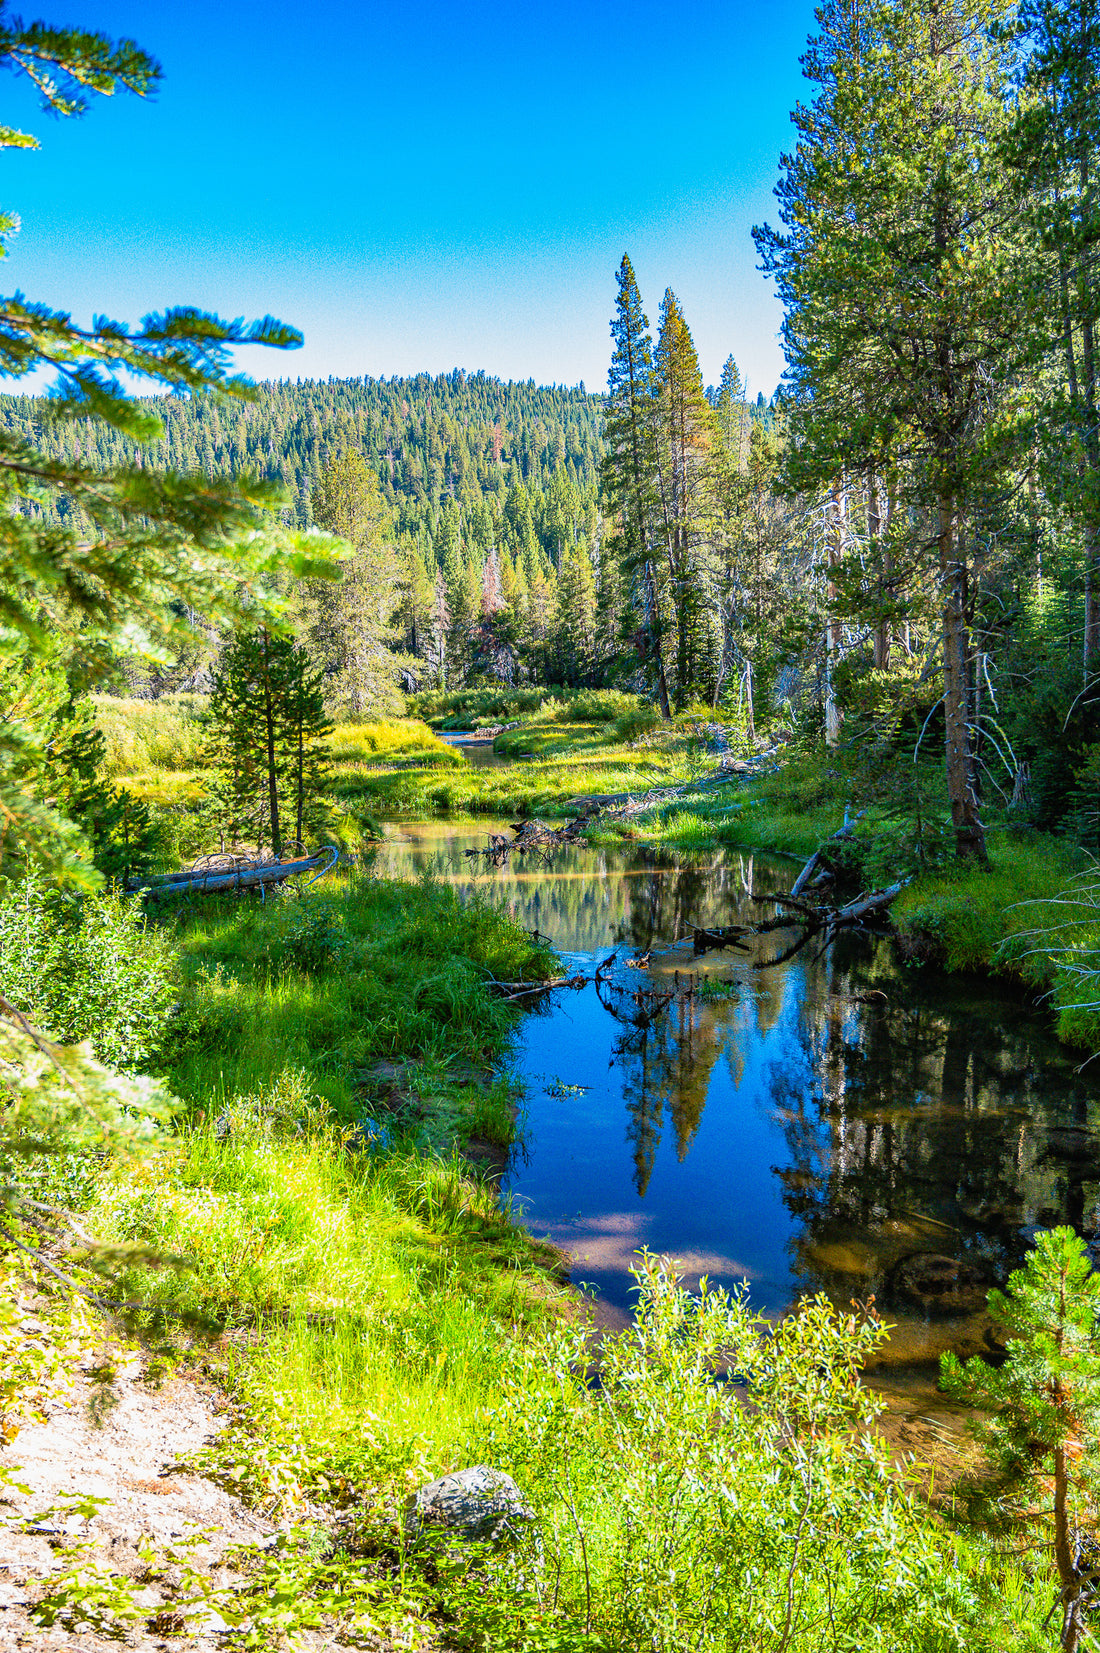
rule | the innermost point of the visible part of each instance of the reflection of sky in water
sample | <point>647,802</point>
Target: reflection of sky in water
<point>833,1117</point>
<point>719,1209</point>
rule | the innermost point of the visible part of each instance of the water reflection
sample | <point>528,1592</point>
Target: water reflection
<point>830,1122</point>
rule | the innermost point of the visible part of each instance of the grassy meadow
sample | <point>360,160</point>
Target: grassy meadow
<point>380,1316</point>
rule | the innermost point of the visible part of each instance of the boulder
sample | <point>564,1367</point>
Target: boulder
<point>478,1503</point>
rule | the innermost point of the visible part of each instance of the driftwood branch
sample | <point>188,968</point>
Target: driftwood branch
<point>819,854</point>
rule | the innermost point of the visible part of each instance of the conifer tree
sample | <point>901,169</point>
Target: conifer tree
<point>265,723</point>
<point>348,625</point>
<point>730,412</point>
<point>85,549</point>
<point>629,467</point>
<point>575,625</point>
<point>1056,146</point>
<point>1044,1409</point>
<point>684,435</point>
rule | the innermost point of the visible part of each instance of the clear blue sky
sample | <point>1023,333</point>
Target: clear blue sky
<point>422,185</point>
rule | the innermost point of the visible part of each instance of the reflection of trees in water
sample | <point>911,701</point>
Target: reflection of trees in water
<point>922,1111</point>
<point>590,899</point>
<point>944,1101</point>
<point>665,1062</point>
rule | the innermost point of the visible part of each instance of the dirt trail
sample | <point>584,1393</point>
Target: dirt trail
<point>119,1444</point>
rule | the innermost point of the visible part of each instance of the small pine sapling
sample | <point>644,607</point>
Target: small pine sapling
<point>1044,1431</point>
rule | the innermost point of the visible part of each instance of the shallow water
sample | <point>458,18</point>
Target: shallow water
<point>833,1122</point>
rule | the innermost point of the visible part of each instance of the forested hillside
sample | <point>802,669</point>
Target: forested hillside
<point>455,436</point>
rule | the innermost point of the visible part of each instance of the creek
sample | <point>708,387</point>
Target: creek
<point>834,1122</point>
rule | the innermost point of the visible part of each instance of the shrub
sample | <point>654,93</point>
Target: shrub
<point>671,1514</point>
<point>87,968</point>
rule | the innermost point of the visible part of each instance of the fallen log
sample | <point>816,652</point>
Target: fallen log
<point>710,941</point>
<point>510,991</point>
<point>811,865</point>
<point>216,880</point>
<point>863,907</point>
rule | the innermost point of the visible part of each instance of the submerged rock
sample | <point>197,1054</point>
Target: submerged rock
<point>479,1503</point>
<point>940,1285</point>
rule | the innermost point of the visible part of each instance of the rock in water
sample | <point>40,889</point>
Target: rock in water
<point>941,1286</point>
<point>480,1503</point>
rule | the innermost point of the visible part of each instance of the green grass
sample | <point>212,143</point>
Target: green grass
<point>357,971</point>
<point>476,708</point>
<point>386,1286</point>
<point>150,737</point>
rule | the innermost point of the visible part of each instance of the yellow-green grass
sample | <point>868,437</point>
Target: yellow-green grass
<point>151,742</point>
<point>359,970</point>
<point>545,788</point>
<point>151,737</point>
<point>377,741</point>
<point>382,1289</point>
<point>384,1283</point>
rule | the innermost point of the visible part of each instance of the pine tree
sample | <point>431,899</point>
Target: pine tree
<point>629,467</point>
<point>684,435</point>
<point>265,723</point>
<point>730,412</point>
<point>575,621</point>
<point>348,625</point>
<point>898,273</point>
<point>88,551</point>
<point>1044,1404</point>
<point>1056,146</point>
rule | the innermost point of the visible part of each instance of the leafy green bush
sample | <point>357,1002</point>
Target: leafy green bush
<point>670,1514</point>
<point>88,968</point>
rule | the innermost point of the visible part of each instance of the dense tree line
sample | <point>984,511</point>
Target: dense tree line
<point>936,256</point>
<point>904,558</point>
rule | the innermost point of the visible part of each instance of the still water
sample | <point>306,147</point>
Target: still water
<point>832,1122</point>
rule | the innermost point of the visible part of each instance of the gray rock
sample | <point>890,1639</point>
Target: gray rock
<point>479,1503</point>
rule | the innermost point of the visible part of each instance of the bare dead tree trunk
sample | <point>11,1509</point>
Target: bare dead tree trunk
<point>962,790</point>
<point>879,561</point>
<point>750,715</point>
<point>833,630</point>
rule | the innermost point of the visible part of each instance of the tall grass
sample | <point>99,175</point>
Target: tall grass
<point>147,736</point>
<point>351,742</point>
<point>356,971</point>
<point>384,1286</point>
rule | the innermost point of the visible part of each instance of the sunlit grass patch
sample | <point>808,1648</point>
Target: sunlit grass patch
<point>387,738</point>
<point>379,1283</point>
<point>148,736</point>
<point>359,970</point>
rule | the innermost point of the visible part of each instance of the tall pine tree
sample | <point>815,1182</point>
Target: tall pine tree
<point>629,468</point>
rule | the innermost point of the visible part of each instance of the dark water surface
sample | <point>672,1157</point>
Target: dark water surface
<point>833,1122</point>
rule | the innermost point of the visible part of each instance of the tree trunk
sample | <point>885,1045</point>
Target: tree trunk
<point>653,625</point>
<point>269,730</point>
<point>962,791</point>
<point>880,562</point>
<point>299,824</point>
<point>833,629</point>
<point>750,715</point>
<point>1063,1551</point>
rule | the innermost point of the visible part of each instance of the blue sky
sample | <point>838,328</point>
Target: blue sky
<point>418,185</point>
